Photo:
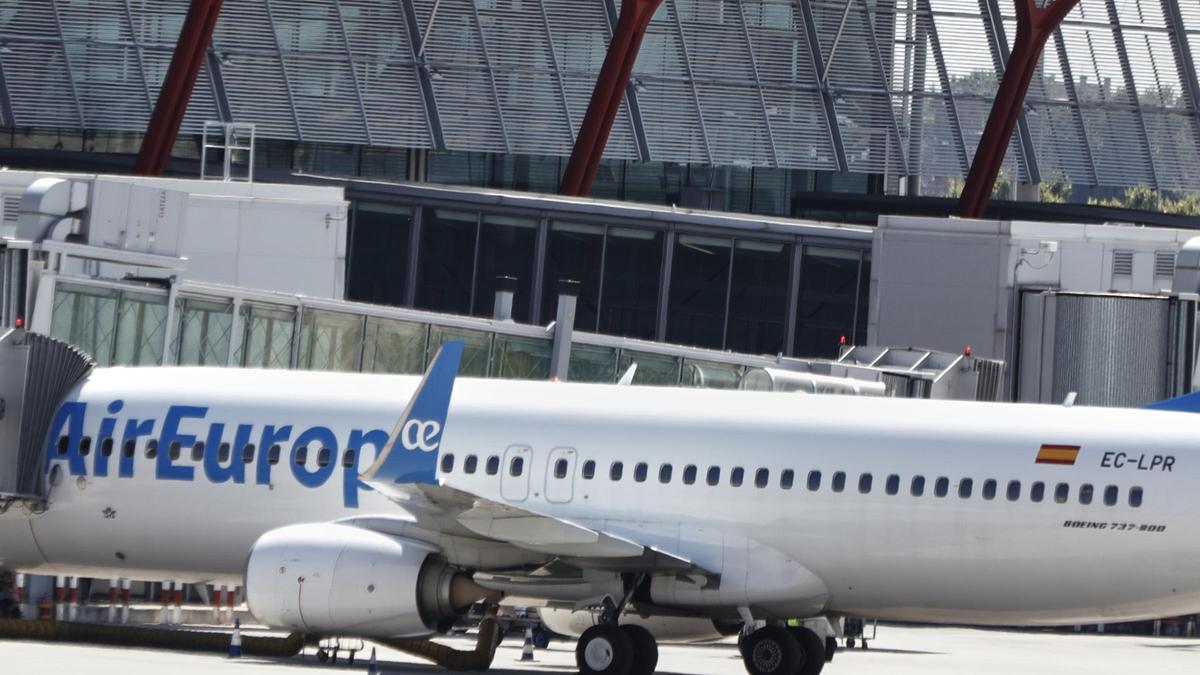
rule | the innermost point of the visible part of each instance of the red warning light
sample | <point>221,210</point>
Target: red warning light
<point>967,351</point>
<point>842,341</point>
<point>19,322</point>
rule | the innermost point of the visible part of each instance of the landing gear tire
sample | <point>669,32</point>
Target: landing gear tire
<point>812,649</point>
<point>645,650</point>
<point>604,649</point>
<point>772,651</point>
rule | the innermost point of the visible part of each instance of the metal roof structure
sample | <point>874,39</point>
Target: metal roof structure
<point>900,87</point>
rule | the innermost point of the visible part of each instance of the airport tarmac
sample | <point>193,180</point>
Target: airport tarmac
<point>898,650</point>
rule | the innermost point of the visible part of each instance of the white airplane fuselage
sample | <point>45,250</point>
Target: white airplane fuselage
<point>891,556</point>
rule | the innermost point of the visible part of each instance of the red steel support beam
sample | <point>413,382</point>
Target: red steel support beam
<point>190,51</point>
<point>1034,26</point>
<point>606,97</point>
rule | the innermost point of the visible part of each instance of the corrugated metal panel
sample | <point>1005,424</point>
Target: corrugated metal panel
<point>37,73</point>
<point>1091,349</point>
<point>252,71</point>
<point>674,127</point>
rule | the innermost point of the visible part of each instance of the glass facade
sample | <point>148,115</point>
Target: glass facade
<point>832,282</point>
<point>203,332</point>
<point>114,326</point>
<point>379,243</point>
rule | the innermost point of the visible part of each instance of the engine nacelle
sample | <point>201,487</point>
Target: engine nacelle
<point>331,579</point>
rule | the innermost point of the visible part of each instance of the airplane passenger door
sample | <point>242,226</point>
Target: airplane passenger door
<point>514,474</point>
<point>560,475</point>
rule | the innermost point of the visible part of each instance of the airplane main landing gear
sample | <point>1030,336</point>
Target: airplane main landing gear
<point>611,649</point>
<point>775,650</point>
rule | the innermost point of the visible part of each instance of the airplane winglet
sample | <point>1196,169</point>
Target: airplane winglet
<point>418,432</point>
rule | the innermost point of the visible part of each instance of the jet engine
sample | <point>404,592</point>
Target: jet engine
<point>338,579</point>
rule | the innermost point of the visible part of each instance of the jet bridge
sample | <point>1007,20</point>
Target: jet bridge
<point>36,373</point>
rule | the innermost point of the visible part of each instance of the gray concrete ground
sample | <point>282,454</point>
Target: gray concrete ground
<point>897,651</point>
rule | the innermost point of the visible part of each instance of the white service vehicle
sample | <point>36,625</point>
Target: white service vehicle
<point>350,514</point>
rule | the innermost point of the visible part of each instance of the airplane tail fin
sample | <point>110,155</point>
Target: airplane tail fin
<point>411,453</point>
<point>1186,403</point>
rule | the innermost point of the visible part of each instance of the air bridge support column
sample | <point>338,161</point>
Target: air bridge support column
<point>606,97</point>
<point>564,326</point>
<point>1034,27</point>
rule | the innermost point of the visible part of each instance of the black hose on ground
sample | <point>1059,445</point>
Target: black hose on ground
<point>449,658</point>
<point>144,636</point>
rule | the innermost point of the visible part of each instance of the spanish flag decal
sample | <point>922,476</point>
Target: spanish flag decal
<point>1058,454</point>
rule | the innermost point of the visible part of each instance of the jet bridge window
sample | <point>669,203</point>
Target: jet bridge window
<point>493,465</point>
<point>714,475</point>
<point>918,486</point>
<point>664,473</point>
<point>324,457</point>
<point>516,467</point>
<point>448,463</point>
<point>736,476</point>
<point>839,481</point>
<point>106,448</point>
<point>964,488</point>
<point>198,451</point>
<point>814,481</point>
<point>1135,497</point>
<point>615,471</point>
<point>1061,492</point>
<point>1085,493</point>
<point>787,479</point>
<point>560,468</point>
<point>893,484</point>
<point>151,449</point>
<point>864,484</point>
<point>85,446</point>
<point>1110,495</point>
<point>689,474</point>
<point>589,469</point>
<point>1037,491</point>
<point>470,464</point>
<point>639,472</point>
<point>762,477</point>
<point>348,458</point>
<point>989,489</point>
<point>941,487</point>
<point>1014,490</point>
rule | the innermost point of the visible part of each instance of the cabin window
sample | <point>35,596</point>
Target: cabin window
<point>615,471</point>
<point>85,445</point>
<point>1135,497</point>
<point>273,453</point>
<point>516,467</point>
<point>814,481</point>
<point>324,456</point>
<point>1014,490</point>
<point>106,448</point>
<point>589,469</point>
<point>470,464</point>
<point>560,468</point>
<point>664,473</point>
<point>941,487</point>
<point>448,463</point>
<point>248,453</point>
<point>786,479</point>
<point>348,458</point>
<point>639,472</point>
<point>151,449</point>
<point>689,474</point>
<point>918,486</point>
<point>1110,495</point>
<point>1085,493</point>
<point>129,448</point>
<point>175,450</point>
<point>493,465</point>
<point>1037,491</point>
<point>1061,492</point>
<point>736,476</point>
<point>223,453</point>
<point>198,451</point>
<point>893,484</point>
<point>864,483</point>
<point>964,488</point>
<point>839,481</point>
<point>302,455</point>
<point>714,475</point>
<point>63,444</point>
<point>762,477</point>
<point>989,489</point>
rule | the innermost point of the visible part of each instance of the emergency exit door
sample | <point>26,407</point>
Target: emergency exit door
<point>560,475</point>
<point>514,474</point>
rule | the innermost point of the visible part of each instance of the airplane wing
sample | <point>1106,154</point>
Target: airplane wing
<point>406,473</point>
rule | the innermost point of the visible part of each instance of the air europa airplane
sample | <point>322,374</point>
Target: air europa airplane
<point>345,513</point>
